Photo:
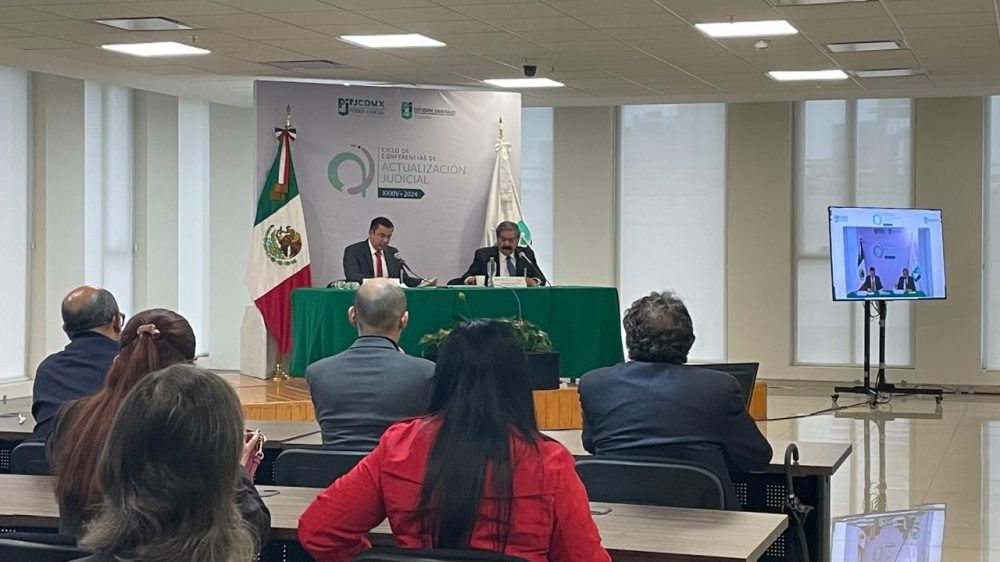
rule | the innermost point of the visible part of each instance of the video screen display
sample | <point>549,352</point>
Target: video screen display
<point>915,535</point>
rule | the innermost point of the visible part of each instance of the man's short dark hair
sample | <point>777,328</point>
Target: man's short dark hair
<point>379,306</point>
<point>99,311</point>
<point>380,221</point>
<point>507,226</point>
<point>658,329</point>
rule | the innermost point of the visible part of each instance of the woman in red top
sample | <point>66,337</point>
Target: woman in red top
<point>475,473</point>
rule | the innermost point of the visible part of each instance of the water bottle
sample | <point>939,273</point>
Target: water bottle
<point>491,271</point>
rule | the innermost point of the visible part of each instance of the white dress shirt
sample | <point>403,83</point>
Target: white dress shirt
<point>502,265</point>
<point>385,266</point>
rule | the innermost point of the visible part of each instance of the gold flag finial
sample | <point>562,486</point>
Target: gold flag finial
<point>288,116</point>
<point>501,128</point>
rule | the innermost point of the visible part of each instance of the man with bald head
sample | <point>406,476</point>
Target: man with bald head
<point>361,391</point>
<point>93,323</point>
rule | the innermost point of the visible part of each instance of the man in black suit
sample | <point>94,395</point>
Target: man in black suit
<point>872,283</point>
<point>509,257</point>
<point>374,257</point>
<point>906,283</point>
<point>655,406</point>
<point>364,389</point>
<point>93,323</point>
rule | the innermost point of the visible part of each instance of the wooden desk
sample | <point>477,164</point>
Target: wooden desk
<point>630,532</point>
<point>11,430</point>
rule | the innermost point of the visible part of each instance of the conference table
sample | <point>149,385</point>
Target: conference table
<point>629,532</point>
<point>584,323</point>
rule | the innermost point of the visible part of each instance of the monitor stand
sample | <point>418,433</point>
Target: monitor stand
<point>881,387</point>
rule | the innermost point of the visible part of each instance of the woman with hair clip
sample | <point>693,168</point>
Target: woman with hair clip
<point>151,340</point>
<point>166,474</point>
<point>474,474</point>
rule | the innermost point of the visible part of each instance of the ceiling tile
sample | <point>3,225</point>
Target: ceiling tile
<point>832,11</point>
<point>697,11</point>
<point>535,24</point>
<point>372,28</point>
<point>36,43</point>
<point>22,15</point>
<point>91,11</point>
<point>269,6</point>
<point>8,32</point>
<point>57,28</point>
<point>405,15</point>
<point>230,21</point>
<point>508,10</point>
<point>433,28</point>
<point>327,17</point>
<point>907,7</point>
<point>559,35</point>
<point>380,4</point>
<point>661,21</point>
<point>945,20</point>
<point>181,8</point>
<point>277,32</point>
<point>581,8</point>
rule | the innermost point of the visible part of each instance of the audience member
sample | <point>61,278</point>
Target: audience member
<point>93,323</point>
<point>475,473</point>
<point>361,391</point>
<point>655,406</point>
<point>151,340</point>
<point>166,474</point>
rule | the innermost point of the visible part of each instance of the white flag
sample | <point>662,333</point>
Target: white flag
<point>914,265</point>
<point>503,203</point>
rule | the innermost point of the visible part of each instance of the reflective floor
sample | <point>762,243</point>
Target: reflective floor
<point>909,453</point>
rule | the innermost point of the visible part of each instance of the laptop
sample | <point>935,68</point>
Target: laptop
<point>745,374</point>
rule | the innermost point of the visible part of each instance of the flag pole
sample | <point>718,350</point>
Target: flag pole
<point>279,373</point>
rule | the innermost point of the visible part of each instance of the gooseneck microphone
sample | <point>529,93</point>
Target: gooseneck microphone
<point>406,266</point>
<point>534,268</point>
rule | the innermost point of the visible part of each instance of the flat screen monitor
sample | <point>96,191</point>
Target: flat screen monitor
<point>886,254</point>
<point>914,535</point>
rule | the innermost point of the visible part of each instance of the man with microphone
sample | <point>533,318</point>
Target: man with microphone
<point>511,260</point>
<point>374,257</point>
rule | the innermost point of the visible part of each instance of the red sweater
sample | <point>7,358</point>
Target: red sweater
<point>550,516</point>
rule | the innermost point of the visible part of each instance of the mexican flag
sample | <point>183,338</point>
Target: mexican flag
<point>503,203</point>
<point>279,254</point>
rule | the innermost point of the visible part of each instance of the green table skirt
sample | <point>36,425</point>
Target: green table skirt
<point>583,322</point>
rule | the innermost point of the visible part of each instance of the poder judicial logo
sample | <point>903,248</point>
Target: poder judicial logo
<point>366,166</point>
<point>282,244</point>
<point>361,107</point>
<point>406,109</point>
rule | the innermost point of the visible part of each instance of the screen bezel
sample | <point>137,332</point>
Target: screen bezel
<point>829,241</point>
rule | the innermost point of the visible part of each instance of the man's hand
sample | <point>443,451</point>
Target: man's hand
<point>470,280</point>
<point>534,281</point>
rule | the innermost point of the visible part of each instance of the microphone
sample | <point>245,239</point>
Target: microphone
<point>524,257</point>
<point>406,266</point>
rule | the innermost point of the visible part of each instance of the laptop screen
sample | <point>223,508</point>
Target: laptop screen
<point>744,373</point>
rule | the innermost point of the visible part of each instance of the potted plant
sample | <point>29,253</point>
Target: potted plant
<point>543,361</point>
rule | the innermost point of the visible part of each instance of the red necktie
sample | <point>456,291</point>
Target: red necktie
<point>378,263</point>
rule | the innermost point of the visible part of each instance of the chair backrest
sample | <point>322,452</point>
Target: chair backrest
<point>24,551</point>
<point>313,468</point>
<point>432,555</point>
<point>645,481</point>
<point>29,458</point>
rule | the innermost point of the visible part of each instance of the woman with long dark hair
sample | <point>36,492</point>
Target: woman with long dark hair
<point>166,474</point>
<point>475,473</point>
<point>151,340</point>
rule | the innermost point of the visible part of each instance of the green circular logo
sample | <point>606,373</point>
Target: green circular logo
<point>366,165</point>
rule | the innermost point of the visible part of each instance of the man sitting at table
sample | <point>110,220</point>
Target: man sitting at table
<point>872,282</point>
<point>364,389</point>
<point>905,282</point>
<point>93,323</point>
<point>656,406</point>
<point>374,257</point>
<point>511,260</point>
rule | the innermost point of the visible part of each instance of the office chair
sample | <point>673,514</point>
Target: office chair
<point>24,551</point>
<point>29,458</point>
<point>432,555</point>
<point>313,468</point>
<point>646,481</point>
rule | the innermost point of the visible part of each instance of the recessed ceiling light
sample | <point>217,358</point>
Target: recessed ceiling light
<point>158,49</point>
<point>795,75</point>
<point>886,73</point>
<point>765,28</point>
<point>524,83</point>
<point>145,24</point>
<point>864,46</point>
<point>808,2</point>
<point>392,41</point>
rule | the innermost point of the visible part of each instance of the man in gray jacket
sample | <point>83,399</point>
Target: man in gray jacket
<point>361,391</point>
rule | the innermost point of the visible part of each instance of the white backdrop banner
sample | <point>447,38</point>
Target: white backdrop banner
<point>422,158</point>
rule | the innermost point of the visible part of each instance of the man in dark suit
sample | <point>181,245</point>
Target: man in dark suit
<point>509,257</point>
<point>905,282</point>
<point>93,323</point>
<point>872,283</point>
<point>374,257</point>
<point>655,406</point>
<point>361,391</point>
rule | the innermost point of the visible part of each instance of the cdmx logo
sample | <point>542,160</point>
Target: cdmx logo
<point>366,165</point>
<point>406,109</point>
<point>346,106</point>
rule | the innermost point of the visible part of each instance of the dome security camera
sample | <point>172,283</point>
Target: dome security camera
<point>530,70</point>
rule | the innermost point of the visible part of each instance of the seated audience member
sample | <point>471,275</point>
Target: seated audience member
<point>655,406</point>
<point>475,473</point>
<point>371,385</point>
<point>151,340</point>
<point>93,323</point>
<point>166,474</point>
<point>508,257</point>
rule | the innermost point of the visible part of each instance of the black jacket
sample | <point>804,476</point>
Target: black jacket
<point>358,264</point>
<point>521,267</point>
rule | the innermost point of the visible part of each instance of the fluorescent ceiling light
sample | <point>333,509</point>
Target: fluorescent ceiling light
<point>886,73</point>
<point>144,24</point>
<point>524,83</point>
<point>794,75</point>
<point>158,49</point>
<point>393,41</point>
<point>863,46</point>
<point>747,28</point>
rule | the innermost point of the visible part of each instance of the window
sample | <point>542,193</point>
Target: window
<point>991,244</point>
<point>851,153</point>
<point>192,217</point>
<point>672,216</point>
<point>14,211</point>
<point>536,182</point>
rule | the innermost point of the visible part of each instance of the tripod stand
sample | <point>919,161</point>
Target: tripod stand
<point>881,386</point>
